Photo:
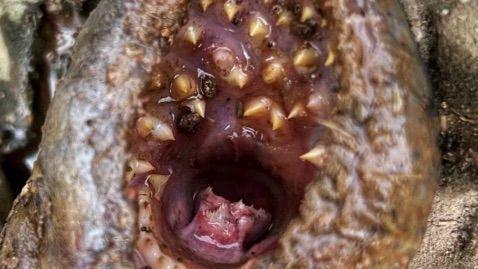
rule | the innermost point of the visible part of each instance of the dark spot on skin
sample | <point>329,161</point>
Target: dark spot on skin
<point>146,267</point>
<point>297,9</point>
<point>276,9</point>
<point>304,30</point>
<point>239,109</point>
<point>188,120</point>
<point>208,86</point>
<point>90,122</point>
<point>145,229</point>
<point>236,21</point>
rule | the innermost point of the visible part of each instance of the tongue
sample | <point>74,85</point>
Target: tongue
<point>220,229</point>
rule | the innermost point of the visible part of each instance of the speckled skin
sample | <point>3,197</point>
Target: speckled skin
<point>366,209</point>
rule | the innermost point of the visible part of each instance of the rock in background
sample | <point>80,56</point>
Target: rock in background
<point>35,41</point>
<point>447,34</point>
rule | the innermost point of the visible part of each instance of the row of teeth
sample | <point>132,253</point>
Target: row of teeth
<point>232,8</point>
<point>184,86</point>
<point>305,60</point>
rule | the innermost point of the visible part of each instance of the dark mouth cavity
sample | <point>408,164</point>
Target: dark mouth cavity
<point>224,212</point>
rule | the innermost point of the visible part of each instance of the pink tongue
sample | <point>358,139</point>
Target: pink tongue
<point>221,228</point>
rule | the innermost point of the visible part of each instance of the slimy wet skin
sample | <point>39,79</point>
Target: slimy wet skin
<point>251,104</point>
<point>231,118</point>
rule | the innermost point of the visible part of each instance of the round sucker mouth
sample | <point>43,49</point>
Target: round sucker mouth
<point>226,214</point>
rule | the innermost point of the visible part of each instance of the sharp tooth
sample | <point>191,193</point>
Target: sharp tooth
<point>183,86</point>
<point>198,106</point>
<point>257,106</point>
<point>231,8</point>
<point>306,59</point>
<point>277,117</point>
<point>307,13</point>
<point>205,4</point>
<point>316,156</point>
<point>193,34</point>
<point>284,18</point>
<point>297,111</point>
<point>140,166</point>
<point>330,58</point>
<point>144,126</point>
<point>223,58</point>
<point>162,131</point>
<point>157,182</point>
<point>238,77</point>
<point>273,72</point>
<point>258,28</point>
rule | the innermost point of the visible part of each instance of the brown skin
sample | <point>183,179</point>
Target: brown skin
<point>381,152</point>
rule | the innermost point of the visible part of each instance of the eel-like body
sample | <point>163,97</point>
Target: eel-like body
<point>370,169</point>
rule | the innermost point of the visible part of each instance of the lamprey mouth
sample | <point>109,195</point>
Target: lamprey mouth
<point>266,124</point>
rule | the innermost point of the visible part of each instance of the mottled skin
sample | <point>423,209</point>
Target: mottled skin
<point>366,209</point>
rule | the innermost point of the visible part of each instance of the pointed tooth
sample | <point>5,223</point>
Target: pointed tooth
<point>284,18</point>
<point>308,12</point>
<point>231,8</point>
<point>258,28</point>
<point>273,72</point>
<point>198,106</point>
<point>183,86</point>
<point>277,118</point>
<point>140,166</point>
<point>330,58</point>
<point>238,77</point>
<point>297,111</point>
<point>144,126</point>
<point>205,4</point>
<point>306,60</point>
<point>157,181</point>
<point>162,131</point>
<point>315,156</point>
<point>257,106</point>
<point>193,34</point>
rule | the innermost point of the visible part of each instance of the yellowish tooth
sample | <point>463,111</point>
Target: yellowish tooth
<point>162,131</point>
<point>330,59</point>
<point>284,18</point>
<point>257,106</point>
<point>183,86</point>
<point>277,117</point>
<point>198,106</point>
<point>273,72</point>
<point>140,166</point>
<point>193,34</point>
<point>231,8</point>
<point>306,59</point>
<point>308,12</point>
<point>205,4</point>
<point>258,28</point>
<point>315,156</point>
<point>157,182</point>
<point>144,126</point>
<point>297,111</point>
<point>238,77</point>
